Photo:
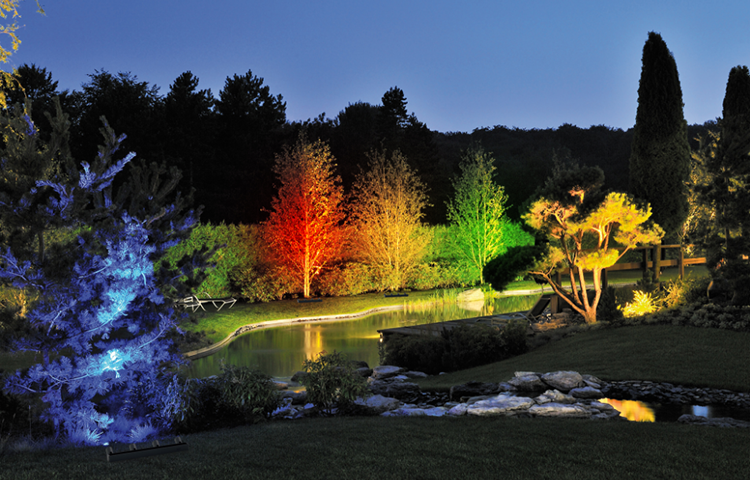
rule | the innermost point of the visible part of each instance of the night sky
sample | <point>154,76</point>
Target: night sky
<point>462,65</point>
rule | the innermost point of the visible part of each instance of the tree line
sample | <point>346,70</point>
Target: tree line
<point>226,146</point>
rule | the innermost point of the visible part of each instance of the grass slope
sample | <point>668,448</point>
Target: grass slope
<point>435,448</point>
<point>663,353</point>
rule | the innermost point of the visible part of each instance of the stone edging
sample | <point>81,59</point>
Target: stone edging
<point>211,349</point>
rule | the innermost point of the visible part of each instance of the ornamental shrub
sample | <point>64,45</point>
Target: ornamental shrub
<point>250,392</point>
<point>331,381</point>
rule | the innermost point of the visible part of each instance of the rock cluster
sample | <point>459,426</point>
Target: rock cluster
<point>531,394</point>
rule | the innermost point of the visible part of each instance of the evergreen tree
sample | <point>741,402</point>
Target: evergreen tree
<point>660,153</point>
<point>721,183</point>
<point>101,317</point>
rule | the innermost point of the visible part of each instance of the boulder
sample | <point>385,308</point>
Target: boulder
<point>586,392</point>
<point>298,398</point>
<point>559,410</point>
<point>363,371</point>
<point>385,371</point>
<point>411,374</point>
<point>458,410</point>
<point>299,376</point>
<point>399,390</point>
<point>563,380</point>
<point>500,405</point>
<point>528,383</point>
<point>473,389</point>
<point>378,403</point>
<point>554,396</point>
<point>713,422</point>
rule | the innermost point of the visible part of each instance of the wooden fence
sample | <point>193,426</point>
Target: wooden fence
<point>656,262</point>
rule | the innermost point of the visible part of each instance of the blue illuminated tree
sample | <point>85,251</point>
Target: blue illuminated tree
<point>101,319</point>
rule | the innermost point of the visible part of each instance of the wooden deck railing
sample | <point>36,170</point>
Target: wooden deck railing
<point>657,261</point>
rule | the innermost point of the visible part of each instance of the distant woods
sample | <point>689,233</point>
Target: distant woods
<point>225,145</point>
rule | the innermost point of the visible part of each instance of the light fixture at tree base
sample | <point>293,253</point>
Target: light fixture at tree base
<point>155,449</point>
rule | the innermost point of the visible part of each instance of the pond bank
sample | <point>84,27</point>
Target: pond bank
<point>211,349</point>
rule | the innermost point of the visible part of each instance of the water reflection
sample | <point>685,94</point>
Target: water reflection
<point>281,351</point>
<point>633,410</point>
<point>637,411</point>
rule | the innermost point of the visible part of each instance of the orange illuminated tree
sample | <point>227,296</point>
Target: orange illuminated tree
<point>305,226</point>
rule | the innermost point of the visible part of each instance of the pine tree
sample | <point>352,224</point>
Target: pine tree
<point>660,153</point>
<point>723,188</point>
<point>101,317</point>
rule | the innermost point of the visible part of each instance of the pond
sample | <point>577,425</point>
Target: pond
<point>637,411</point>
<point>280,351</point>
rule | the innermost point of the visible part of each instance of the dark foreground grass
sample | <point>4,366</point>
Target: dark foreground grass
<point>420,448</point>
<point>688,356</point>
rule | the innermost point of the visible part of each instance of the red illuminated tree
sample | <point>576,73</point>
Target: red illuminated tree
<point>305,226</point>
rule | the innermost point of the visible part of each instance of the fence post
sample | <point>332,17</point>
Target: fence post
<point>644,253</point>
<point>657,261</point>
<point>681,262</point>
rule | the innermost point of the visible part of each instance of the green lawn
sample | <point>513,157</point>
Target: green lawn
<point>419,448</point>
<point>385,448</point>
<point>661,353</point>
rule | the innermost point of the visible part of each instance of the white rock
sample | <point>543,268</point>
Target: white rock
<point>379,403</point>
<point>563,380</point>
<point>500,405</point>
<point>458,410</point>
<point>554,396</point>
<point>559,410</point>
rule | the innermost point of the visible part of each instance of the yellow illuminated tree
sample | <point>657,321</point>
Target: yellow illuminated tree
<point>305,227</point>
<point>587,233</point>
<point>387,207</point>
<point>9,8</point>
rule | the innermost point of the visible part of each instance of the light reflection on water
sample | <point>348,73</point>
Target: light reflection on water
<point>281,351</point>
<point>637,411</point>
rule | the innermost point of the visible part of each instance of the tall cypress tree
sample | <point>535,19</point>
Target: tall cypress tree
<point>660,152</point>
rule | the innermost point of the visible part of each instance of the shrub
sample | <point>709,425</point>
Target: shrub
<point>347,278</point>
<point>248,391</point>
<point>643,303</point>
<point>422,353</point>
<point>331,380</point>
<point>514,337</point>
<point>473,345</point>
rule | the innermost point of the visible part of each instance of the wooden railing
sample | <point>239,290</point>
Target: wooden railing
<point>656,263</point>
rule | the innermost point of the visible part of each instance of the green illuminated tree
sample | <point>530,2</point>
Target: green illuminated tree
<point>660,152</point>
<point>476,213</point>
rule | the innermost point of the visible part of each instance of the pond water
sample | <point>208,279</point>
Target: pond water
<point>280,351</point>
<point>637,411</point>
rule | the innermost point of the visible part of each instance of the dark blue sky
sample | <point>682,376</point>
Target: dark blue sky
<point>462,65</point>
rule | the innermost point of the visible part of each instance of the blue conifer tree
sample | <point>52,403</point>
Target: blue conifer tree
<point>101,317</point>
